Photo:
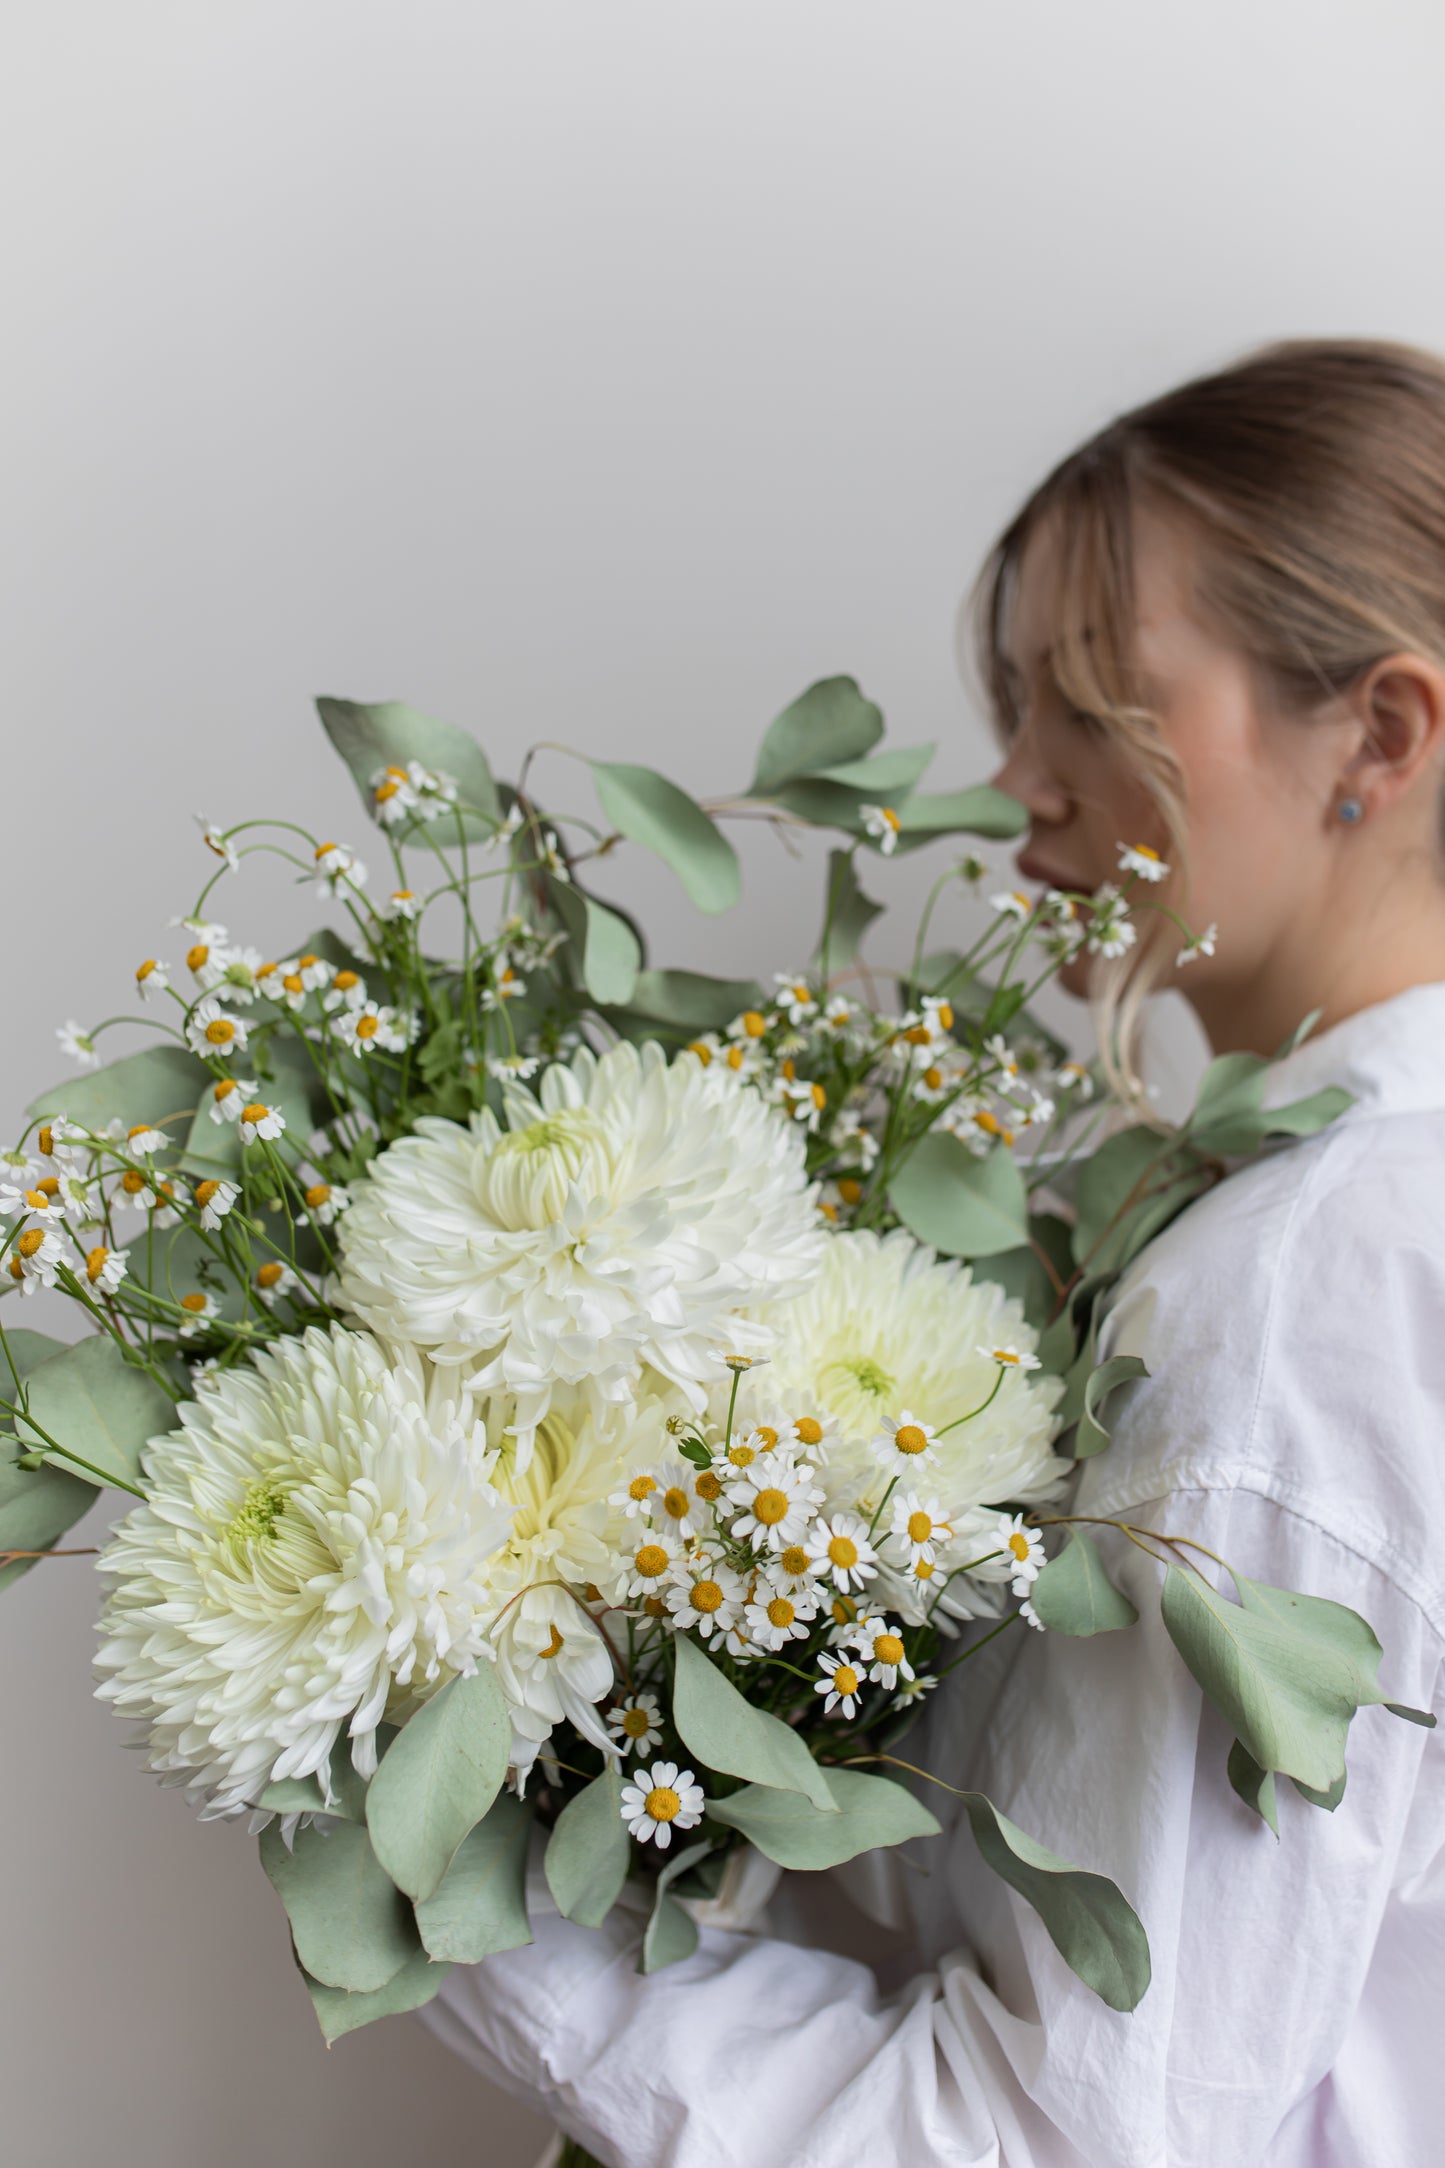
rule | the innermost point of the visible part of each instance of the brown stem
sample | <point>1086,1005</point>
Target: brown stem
<point>81,1550</point>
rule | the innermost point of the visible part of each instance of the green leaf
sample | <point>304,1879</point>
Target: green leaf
<point>338,2012</point>
<point>1254,1785</point>
<point>1329,1800</point>
<point>480,1906</point>
<point>387,733</point>
<point>725,1731</point>
<point>92,1400</point>
<point>1303,1117</point>
<point>961,1205</point>
<point>1128,1190</point>
<point>981,811</point>
<point>671,1933</point>
<point>162,1086</point>
<point>589,1851</point>
<point>848,914</point>
<point>1093,1926</point>
<point>37,1505</point>
<point>835,797</point>
<point>295,1090</point>
<point>1074,1595</point>
<point>1411,1716</point>
<point>871,1811</point>
<point>691,1001</point>
<point>351,1927</point>
<point>1287,1671</point>
<point>644,806</point>
<point>303,1795</point>
<point>830,723</point>
<point>440,1775</point>
<point>1093,1434</point>
<point>1227,1115</point>
<point>609,956</point>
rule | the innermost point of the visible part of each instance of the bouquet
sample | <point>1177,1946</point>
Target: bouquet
<point>566,1395</point>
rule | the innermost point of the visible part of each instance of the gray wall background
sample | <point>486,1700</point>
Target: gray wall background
<point>593,373</point>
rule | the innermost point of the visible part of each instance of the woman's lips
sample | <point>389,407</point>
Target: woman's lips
<point>1033,869</point>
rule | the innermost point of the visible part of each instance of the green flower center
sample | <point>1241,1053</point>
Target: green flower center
<point>261,1508</point>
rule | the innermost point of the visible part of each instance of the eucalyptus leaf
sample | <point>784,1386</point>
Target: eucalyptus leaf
<point>346,1798</point>
<point>691,1001</point>
<point>1228,1106</point>
<point>480,1906</point>
<point>981,811</point>
<point>1092,1435</point>
<point>647,808</point>
<point>161,1085</point>
<point>608,953</point>
<point>1093,1926</point>
<point>213,1149</point>
<point>961,1205</point>
<point>1127,1191</point>
<point>37,1505</point>
<point>830,723</point>
<point>589,1851</point>
<point>1254,1785</point>
<point>338,2012</point>
<point>727,1732</point>
<point>1328,1800</point>
<point>439,1777</point>
<point>871,1811</point>
<point>671,1933</point>
<point>847,915</point>
<point>91,1400</point>
<point>835,797</point>
<point>1304,1117</point>
<point>1073,1594</point>
<point>352,1928</point>
<point>388,733</point>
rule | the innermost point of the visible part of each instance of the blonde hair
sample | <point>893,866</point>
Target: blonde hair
<point>1310,475</point>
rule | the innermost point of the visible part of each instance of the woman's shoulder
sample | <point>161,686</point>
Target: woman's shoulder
<point>1293,1324</point>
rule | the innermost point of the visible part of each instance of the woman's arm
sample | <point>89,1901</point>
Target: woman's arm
<point>754,2051</point>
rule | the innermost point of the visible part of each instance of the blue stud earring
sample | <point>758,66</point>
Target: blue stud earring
<point>1351,809</point>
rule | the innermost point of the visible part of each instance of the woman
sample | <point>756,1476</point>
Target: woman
<point>1218,627</point>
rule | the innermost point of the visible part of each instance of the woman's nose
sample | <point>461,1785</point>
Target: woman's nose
<point>1027,777</point>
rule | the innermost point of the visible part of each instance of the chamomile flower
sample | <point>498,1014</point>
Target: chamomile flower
<point>1011,903</point>
<point>662,1798</point>
<point>335,864</point>
<point>636,1724</point>
<point>393,796</point>
<point>235,973</point>
<point>838,1013</point>
<point>259,1122</point>
<point>35,1258</point>
<point>521,1066</point>
<point>39,1205</point>
<point>795,997</point>
<point>1111,930</point>
<point>105,1269</point>
<point>552,857</point>
<point>706,1594</point>
<point>213,1032</point>
<point>882,824</point>
<point>635,1497</point>
<point>852,1141</point>
<point>806,1102</point>
<point>325,1201</point>
<point>229,1094</point>
<point>507,985</point>
<point>366,1029</point>
<point>1198,944</point>
<point>880,1644</point>
<point>346,991</point>
<point>150,978</point>
<point>913,1690</point>
<point>1023,1550</point>
<point>919,1528</point>
<point>78,1044</point>
<point>776,1500</point>
<point>273,1280</point>
<point>200,1309</point>
<point>313,971</point>
<point>773,1619</point>
<point>1030,1616</point>
<point>144,1141</point>
<point>841,1684</point>
<point>1074,1076</point>
<point>674,1506</point>
<point>789,1570</point>
<point>651,1565</point>
<point>1010,1358</point>
<point>402,903</point>
<point>215,1199</point>
<point>905,1443</point>
<point>1139,858</point>
<point>214,841</point>
<point>839,1547</point>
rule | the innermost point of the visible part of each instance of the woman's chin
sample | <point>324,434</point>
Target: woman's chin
<point>1074,976</point>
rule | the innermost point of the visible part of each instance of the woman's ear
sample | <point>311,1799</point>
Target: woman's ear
<point>1400,708</point>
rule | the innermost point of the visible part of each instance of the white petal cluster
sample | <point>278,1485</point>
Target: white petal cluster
<point>621,1219</point>
<point>308,1561</point>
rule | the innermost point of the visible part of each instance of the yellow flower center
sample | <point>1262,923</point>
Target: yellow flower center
<point>887,1649</point>
<point>918,1035</point>
<point>255,1113</point>
<point>323,848</point>
<point>703,1053</point>
<point>1004,1355</point>
<point>143,971</point>
<point>741,1456</point>
<point>781,1612</point>
<point>386,790</point>
<point>770,1506</point>
<point>829,1211</point>
<point>37,1200</point>
<point>344,981</point>
<point>641,1486</point>
<point>933,1078</point>
<point>304,963</point>
<point>920,1526</point>
<point>316,1196</point>
<point>809,1429</point>
<point>17,1270</point>
<point>923,1571</point>
<point>554,1646</point>
<point>769,1436</point>
<point>651,1560</point>
<point>636,1723</point>
<point>910,1439</point>
<point>844,1612</point>
<point>224,1089</point>
<point>654,1606</point>
<point>95,1263</point>
<point>194,1303</point>
<point>48,1186</point>
<point>269,1275</point>
<point>845,1680</point>
<point>294,983</point>
<point>789,1069</point>
<point>367,1027</point>
<point>794,1559</point>
<point>819,1096</point>
<point>753,1024</point>
<point>196,957</point>
<point>708,1486</point>
<point>850,1189</point>
<point>46,1140</point>
<point>706,1596</point>
<point>1018,1543</point>
<point>1142,850</point>
<point>945,1015</point>
<point>987,1122</point>
<point>734,1057</point>
<point>132,1181</point>
<point>30,1241</point>
<point>663,1803</point>
<point>205,1191</point>
<point>675,1503</point>
<point>220,1031</point>
<point>843,1551</point>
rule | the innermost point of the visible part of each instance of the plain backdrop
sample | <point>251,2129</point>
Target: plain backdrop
<point>593,373</point>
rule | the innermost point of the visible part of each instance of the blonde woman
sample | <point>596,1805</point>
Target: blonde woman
<point>1217,629</point>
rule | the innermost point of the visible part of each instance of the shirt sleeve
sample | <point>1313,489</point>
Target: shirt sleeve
<point>994,2055</point>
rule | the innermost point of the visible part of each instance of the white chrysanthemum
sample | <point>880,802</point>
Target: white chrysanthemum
<point>888,1327</point>
<point>624,1217</point>
<point>307,1560</point>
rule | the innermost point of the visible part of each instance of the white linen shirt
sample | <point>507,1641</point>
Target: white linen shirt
<point>1293,1322</point>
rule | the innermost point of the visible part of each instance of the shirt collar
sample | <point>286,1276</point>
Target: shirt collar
<point>1391,1056</point>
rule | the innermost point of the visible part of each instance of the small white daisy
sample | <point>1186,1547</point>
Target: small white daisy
<point>661,1799</point>
<point>213,1032</point>
<point>1139,858</point>
<point>393,796</point>
<point>652,1564</point>
<point>214,841</point>
<point>335,864</point>
<point>150,978</point>
<point>776,1498</point>
<point>1009,1358</point>
<point>363,1030</point>
<point>880,1645</point>
<point>919,1527</point>
<point>35,1258</point>
<point>882,824</point>
<point>229,1094</point>
<point>794,997</point>
<point>841,1683</point>
<point>773,1620</point>
<point>839,1548</point>
<point>402,903</point>
<point>260,1121</point>
<point>905,1442</point>
<point>1011,903</point>
<point>78,1044</point>
<point>105,1269</point>
<point>273,1280</point>
<point>215,1199</point>
<point>1023,1550</point>
<point>1073,1076</point>
<point>199,1309</point>
<point>635,1497</point>
<point>705,1594</point>
<point>143,1141</point>
<point>325,1201</point>
<point>635,1723</point>
<point>1198,944</point>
